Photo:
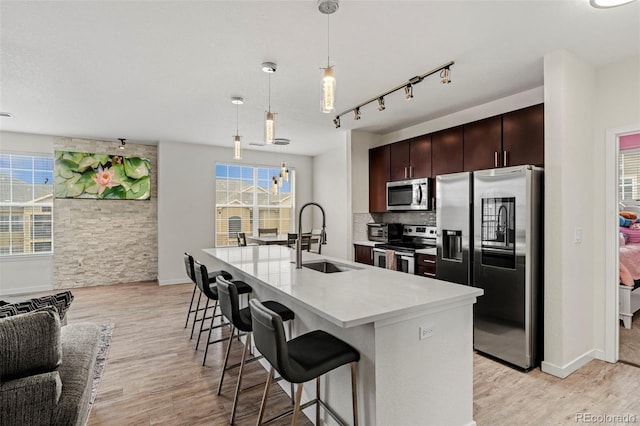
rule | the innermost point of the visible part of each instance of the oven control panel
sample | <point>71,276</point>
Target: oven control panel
<point>421,231</point>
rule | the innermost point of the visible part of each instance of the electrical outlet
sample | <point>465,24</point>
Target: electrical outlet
<point>426,332</point>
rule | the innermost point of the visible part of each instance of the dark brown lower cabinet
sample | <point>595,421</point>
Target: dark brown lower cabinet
<point>363,254</point>
<point>426,265</point>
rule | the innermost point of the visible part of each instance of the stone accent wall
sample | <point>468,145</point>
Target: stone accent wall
<point>98,242</point>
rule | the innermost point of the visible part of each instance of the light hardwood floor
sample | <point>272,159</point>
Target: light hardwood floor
<point>154,377</point>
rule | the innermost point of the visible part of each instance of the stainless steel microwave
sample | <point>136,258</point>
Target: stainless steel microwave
<point>414,194</point>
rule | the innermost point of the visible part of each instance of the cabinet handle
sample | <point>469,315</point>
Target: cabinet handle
<point>495,158</point>
<point>410,171</point>
<point>429,274</point>
<point>428,261</point>
<point>505,158</point>
<point>405,172</point>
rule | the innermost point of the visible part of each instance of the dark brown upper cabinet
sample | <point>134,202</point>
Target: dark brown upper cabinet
<point>378,177</point>
<point>523,136</point>
<point>446,151</point>
<point>483,144</point>
<point>411,159</point>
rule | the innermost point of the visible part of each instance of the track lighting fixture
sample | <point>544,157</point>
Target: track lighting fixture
<point>123,142</point>
<point>269,122</point>
<point>237,139</point>
<point>445,75</point>
<point>408,92</point>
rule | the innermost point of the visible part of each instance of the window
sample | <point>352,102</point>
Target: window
<point>26,200</point>
<point>235,226</point>
<point>245,202</point>
<point>629,185</point>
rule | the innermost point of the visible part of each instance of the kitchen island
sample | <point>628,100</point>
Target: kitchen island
<point>414,334</point>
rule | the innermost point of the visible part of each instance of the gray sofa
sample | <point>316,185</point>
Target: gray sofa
<point>46,371</point>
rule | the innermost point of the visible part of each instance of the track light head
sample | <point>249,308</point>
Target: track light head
<point>446,76</point>
<point>123,142</point>
<point>408,92</point>
<point>356,114</point>
<point>381,106</point>
<point>336,121</point>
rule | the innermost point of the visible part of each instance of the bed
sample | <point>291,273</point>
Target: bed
<point>629,287</point>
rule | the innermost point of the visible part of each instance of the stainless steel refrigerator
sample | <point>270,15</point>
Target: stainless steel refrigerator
<point>506,223</point>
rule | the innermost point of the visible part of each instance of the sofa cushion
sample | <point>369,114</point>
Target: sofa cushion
<point>29,344</point>
<point>80,344</point>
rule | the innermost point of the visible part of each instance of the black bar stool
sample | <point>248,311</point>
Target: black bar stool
<point>188,264</point>
<point>211,292</point>
<point>241,319</point>
<point>300,359</point>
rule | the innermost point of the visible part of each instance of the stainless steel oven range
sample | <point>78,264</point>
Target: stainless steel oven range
<point>414,237</point>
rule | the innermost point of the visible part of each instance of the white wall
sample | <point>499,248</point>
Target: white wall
<point>27,273</point>
<point>617,105</point>
<point>569,271</point>
<point>186,198</point>
<point>360,143</point>
<point>331,183</point>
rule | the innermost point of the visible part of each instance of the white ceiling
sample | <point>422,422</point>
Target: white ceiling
<point>150,71</point>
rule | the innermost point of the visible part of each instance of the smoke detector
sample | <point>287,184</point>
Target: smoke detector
<point>328,6</point>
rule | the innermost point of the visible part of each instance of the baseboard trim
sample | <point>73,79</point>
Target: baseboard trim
<point>174,281</point>
<point>26,290</point>
<point>563,372</point>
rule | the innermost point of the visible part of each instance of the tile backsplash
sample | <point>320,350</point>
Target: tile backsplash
<point>360,221</point>
<point>411,218</point>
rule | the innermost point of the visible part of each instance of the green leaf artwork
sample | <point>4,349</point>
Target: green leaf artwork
<point>101,176</point>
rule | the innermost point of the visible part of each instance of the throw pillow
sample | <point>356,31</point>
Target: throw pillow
<point>30,344</point>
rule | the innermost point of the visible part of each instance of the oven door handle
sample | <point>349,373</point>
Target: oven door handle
<point>377,250</point>
<point>404,255</point>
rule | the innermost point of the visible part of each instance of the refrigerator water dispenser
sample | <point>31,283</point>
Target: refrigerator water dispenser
<point>452,245</point>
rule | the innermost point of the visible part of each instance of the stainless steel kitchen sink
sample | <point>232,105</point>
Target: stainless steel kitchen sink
<point>327,267</point>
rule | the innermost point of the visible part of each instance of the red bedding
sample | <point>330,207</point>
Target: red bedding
<point>629,264</point>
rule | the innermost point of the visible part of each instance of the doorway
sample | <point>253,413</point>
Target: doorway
<point>612,150</point>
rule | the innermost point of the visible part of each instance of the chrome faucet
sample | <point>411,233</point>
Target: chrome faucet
<point>323,234</point>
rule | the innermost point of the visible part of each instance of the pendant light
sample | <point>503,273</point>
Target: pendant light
<point>328,7</point>
<point>237,139</point>
<point>269,122</point>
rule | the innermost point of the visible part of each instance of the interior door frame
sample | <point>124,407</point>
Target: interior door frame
<point>612,272</point>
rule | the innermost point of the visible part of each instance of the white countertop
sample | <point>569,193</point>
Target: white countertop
<point>349,298</point>
<point>430,250</point>
<point>366,243</point>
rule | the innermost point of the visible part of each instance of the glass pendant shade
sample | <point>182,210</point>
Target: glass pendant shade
<point>328,90</point>
<point>274,186</point>
<point>269,128</point>
<point>237,148</point>
<point>608,3</point>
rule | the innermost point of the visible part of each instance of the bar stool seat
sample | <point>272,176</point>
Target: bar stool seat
<point>300,359</point>
<point>317,353</point>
